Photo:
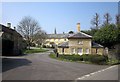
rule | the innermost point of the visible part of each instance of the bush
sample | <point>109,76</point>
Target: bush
<point>97,59</point>
<point>86,57</point>
<point>71,57</point>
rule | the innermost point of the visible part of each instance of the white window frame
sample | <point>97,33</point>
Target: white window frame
<point>73,50</point>
<point>80,42</point>
<point>87,51</point>
<point>80,52</point>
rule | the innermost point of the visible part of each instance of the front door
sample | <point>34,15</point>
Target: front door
<point>80,51</point>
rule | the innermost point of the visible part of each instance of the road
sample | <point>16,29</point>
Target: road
<point>110,73</point>
<point>39,66</point>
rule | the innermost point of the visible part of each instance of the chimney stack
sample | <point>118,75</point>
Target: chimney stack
<point>9,25</point>
<point>14,28</point>
<point>78,27</point>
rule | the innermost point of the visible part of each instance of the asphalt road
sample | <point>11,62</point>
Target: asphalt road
<point>111,73</point>
<point>40,67</point>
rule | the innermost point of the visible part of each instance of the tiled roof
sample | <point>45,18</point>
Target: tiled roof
<point>58,36</point>
<point>63,45</point>
<point>79,35</point>
<point>96,45</point>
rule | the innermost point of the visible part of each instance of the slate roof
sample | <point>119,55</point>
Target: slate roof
<point>79,35</point>
<point>57,36</point>
<point>6,29</point>
<point>65,45</point>
<point>96,45</point>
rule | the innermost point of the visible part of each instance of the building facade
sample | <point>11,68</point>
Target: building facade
<point>12,41</point>
<point>55,39</point>
<point>80,43</point>
<point>74,43</point>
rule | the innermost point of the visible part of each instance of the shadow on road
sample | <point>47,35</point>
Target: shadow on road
<point>10,63</point>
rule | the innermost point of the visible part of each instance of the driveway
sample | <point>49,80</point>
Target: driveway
<point>39,66</point>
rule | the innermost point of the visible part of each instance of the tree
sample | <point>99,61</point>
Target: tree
<point>107,18</point>
<point>28,27</point>
<point>70,32</point>
<point>108,36</point>
<point>39,38</point>
<point>118,21</point>
<point>96,21</point>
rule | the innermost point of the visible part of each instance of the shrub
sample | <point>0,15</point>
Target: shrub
<point>99,59</point>
<point>96,59</point>
<point>72,57</point>
<point>86,57</point>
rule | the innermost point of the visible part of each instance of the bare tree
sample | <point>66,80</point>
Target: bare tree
<point>118,19</point>
<point>96,21</point>
<point>40,37</point>
<point>27,27</point>
<point>107,18</point>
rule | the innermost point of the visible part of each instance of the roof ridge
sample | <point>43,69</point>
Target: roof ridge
<point>86,34</point>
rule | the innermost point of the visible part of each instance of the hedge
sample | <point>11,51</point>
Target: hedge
<point>96,59</point>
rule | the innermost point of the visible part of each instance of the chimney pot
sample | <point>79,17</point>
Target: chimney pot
<point>14,28</point>
<point>9,25</point>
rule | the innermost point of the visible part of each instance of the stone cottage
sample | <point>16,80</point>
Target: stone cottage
<point>12,41</point>
<point>80,43</point>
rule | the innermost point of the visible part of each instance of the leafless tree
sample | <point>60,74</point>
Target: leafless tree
<point>107,18</point>
<point>96,21</point>
<point>40,37</point>
<point>28,27</point>
<point>118,19</point>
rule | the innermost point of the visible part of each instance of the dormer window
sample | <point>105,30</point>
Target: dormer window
<point>80,42</point>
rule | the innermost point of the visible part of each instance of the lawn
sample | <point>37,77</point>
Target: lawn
<point>34,51</point>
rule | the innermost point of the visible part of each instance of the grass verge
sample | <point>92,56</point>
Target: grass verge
<point>34,51</point>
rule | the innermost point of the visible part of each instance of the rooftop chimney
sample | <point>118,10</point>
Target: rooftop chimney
<point>9,25</point>
<point>78,27</point>
<point>14,28</point>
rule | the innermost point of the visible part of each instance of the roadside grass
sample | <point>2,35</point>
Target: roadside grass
<point>88,59</point>
<point>29,51</point>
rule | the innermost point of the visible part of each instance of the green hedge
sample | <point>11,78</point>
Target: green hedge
<point>71,57</point>
<point>96,59</point>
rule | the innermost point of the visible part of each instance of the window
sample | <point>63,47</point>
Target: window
<point>73,50</point>
<point>87,51</point>
<point>80,51</point>
<point>80,42</point>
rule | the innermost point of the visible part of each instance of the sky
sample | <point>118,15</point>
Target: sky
<point>60,15</point>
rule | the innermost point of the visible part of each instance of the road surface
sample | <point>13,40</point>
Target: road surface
<point>39,66</point>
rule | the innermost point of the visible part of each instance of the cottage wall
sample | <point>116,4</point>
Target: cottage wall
<point>99,51</point>
<point>76,44</point>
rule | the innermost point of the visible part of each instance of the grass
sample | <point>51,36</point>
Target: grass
<point>34,51</point>
<point>89,59</point>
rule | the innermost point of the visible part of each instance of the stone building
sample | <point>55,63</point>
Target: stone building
<point>55,39</point>
<point>12,41</point>
<point>80,43</point>
<point>76,43</point>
